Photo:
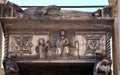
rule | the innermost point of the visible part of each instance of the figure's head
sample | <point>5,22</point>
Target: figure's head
<point>100,53</point>
<point>62,33</point>
<point>41,41</point>
<point>105,61</point>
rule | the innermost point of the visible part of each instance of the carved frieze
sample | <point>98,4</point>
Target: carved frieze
<point>44,46</point>
<point>88,44</point>
<point>21,43</point>
<point>24,44</point>
<point>49,34</point>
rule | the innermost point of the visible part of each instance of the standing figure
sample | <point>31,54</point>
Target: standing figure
<point>41,49</point>
<point>63,44</point>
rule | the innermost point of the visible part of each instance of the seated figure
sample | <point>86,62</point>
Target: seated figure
<point>63,45</point>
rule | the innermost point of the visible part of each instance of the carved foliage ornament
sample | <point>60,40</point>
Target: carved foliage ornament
<point>22,43</point>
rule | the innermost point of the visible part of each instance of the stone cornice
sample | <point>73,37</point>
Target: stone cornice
<point>36,24</point>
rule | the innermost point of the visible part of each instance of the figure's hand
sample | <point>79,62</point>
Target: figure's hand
<point>64,41</point>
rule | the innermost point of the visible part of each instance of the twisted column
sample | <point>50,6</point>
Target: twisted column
<point>108,47</point>
<point>6,45</point>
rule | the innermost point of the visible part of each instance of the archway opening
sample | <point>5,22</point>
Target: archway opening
<point>56,68</point>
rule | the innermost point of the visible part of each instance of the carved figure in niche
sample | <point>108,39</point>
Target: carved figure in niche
<point>63,44</point>
<point>41,49</point>
<point>10,65</point>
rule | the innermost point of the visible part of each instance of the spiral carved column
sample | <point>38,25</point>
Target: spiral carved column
<point>108,47</point>
<point>5,50</point>
<point>6,45</point>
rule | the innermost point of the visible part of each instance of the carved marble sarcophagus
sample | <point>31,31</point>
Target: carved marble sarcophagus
<point>51,41</point>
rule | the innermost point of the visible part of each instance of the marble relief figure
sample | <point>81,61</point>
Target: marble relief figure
<point>103,63</point>
<point>41,49</point>
<point>63,44</point>
<point>10,66</point>
<point>46,40</point>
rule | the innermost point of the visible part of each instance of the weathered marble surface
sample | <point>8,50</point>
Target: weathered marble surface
<point>54,12</point>
<point>47,12</point>
<point>24,28</point>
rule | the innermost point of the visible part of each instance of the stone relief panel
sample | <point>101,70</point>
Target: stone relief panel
<point>25,44</point>
<point>82,44</point>
<point>88,44</point>
<point>62,44</point>
<point>21,43</point>
<point>43,46</point>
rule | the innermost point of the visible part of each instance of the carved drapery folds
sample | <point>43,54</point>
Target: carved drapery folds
<point>42,48</point>
<point>66,45</point>
<point>62,44</point>
<point>49,33</point>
